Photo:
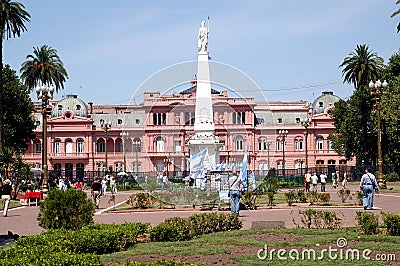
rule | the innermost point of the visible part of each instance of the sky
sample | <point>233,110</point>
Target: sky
<point>291,49</point>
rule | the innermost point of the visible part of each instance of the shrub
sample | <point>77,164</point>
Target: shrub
<point>312,218</point>
<point>180,229</point>
<point>367,223</point>
<point>344,194</point>
<point>391,177</point>
<point>142,200</point>
<point>290,197</point>
<point>268,185</point>
<point>392,223</point>
<point>313,197</point>
<point>358,198</point>
<point>98,239</point>
<point>44,255</point>
<point>271,198</point>
<point>301,196</point>
<point>249,200</point>
<point>325,198</point>
<point>69,209</point>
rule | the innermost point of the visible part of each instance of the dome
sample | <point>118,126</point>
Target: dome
<point>71,103</point>
<point>326,100</point>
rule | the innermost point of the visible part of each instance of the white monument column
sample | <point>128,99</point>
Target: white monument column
<point>204,137</point>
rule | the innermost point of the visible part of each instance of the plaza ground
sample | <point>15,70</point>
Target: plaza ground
<point>23,220</point>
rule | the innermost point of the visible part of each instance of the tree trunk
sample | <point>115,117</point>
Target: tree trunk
<point>1,90</point>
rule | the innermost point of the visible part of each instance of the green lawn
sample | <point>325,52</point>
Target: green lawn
<point>242,247</point>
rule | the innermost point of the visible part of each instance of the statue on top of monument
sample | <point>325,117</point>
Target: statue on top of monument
<point>203,38</point>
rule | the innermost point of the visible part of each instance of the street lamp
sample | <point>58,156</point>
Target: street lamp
<point>269,142</point>
<point>106,126</point>
<point>306,123</point>
<point>124,136</point>
<point>44,93</point>
<point>137,149</point>
<point>282,135</point>
<point>377,90</point>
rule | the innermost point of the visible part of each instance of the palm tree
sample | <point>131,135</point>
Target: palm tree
<point>395,14</point>
<point>359,68</point>
<point>12,18</point>
<point>43,67</point>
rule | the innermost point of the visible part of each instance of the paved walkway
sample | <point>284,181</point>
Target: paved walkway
<point>23,220</point>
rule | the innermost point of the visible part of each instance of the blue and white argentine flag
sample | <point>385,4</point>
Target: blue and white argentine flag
<point>196,161</point>
<point>243,170</point>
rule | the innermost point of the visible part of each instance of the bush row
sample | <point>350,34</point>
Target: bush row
<point>97,239</point>
<point>368,223</point>
<point>180,229</point>
<point>301,196</point>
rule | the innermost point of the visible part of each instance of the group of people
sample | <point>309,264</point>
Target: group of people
<point>99,188</point>
<point>313,180</point>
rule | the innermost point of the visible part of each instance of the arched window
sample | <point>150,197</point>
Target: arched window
<point>80,146</point>
<point>101,145</point>
<point>160,144</point>
<point>320,143</point>
<point>239,143</point>
<point>118,143</point>
<point>68,146</point>
<point>329,145</point>
<point>57,147</point>
<point>298,144</point>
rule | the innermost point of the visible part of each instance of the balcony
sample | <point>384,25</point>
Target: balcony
<point>68,156</point>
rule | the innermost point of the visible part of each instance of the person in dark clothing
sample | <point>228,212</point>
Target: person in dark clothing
<point>6,190</point>
<point>96,191</point>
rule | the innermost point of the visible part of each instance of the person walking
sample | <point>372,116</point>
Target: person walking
<point>334,180</point>
<point>323,177</point>
<point>308,181</point>
<point>96,191</point>
<point>367,185</point>
<point>314,181</point>
<point>104,186</point>
<point>6,190</point>
<point>234,191</point>
<point>344,182</point>
<point>164,181</point>
<point>113,185</point>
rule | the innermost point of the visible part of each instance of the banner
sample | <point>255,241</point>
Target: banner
<point>196,161</point>
<point>243,170</point>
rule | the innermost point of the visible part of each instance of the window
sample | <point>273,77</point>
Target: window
<point>331,162</point>
<point>329,145</point>
<point>178,147</point>
<point>159,144</point>
<point>159,119</point>
<point>78,107</point>
<point>68,146</point>
<point>138,169</point>
<point>189,118</point>
<point>280,120</point>
<point>79,146</point>
<point>239,118</point>
<point>263,168</point>
<point>298,144</point>
<point>297,120</point>
<point>320,144</point>
<point>279,165</point>
<point>319,162</point>
<point>120,147</point>
<point>57,147</point>
<point>101,145</point>
<point>137,145</point>
<point>278,144</point>
<point>137,121</point>
<point>239,143</point>
<point>37,147</point>
<point>119,121</point>
<point>321,104</point>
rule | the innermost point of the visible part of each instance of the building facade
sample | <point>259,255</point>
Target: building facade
<point>86,139</point>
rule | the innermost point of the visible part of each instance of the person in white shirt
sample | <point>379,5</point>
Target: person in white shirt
<point>323,177</point>
<point>314,181</point>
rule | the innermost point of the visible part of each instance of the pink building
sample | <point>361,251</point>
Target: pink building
<point>152,136</point>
